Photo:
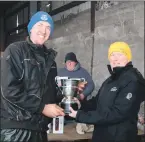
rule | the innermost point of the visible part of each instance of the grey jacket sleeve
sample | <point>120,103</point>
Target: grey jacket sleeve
<point>90,84</point>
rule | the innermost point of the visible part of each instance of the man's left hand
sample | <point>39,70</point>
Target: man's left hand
<point>73,113</point>
<point>81,96</point>
<point>78,102</point>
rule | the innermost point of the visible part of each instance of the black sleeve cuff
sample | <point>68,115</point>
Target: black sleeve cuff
<point>41,107</point>
<point>77,116</point>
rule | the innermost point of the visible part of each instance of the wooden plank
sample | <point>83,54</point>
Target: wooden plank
<point>70,134</point>
<point>65,7</point>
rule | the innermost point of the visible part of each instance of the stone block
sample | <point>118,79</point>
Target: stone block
<point>139,14</point>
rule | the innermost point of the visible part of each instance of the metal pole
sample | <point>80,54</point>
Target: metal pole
<point>93,3</point>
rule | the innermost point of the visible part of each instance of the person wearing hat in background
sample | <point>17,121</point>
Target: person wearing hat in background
<point>114,110</point>
<point>28,89</point>
<point>73,69</point>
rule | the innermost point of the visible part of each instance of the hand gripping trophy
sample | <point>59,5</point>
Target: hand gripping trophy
<point>69,88</point>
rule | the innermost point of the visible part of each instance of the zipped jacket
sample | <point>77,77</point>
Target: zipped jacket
<point>27,84</point>
<point>115,108</point>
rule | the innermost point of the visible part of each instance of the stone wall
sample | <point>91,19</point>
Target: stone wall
<point>123,22</point>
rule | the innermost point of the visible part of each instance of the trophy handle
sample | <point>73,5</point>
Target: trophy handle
<point>56,81</point>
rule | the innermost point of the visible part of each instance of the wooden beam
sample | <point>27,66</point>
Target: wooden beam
<point>66,7</point>
<point>92,28</point>
<point>23,26</point>
<point>93,3</point>
<point>16,10</point>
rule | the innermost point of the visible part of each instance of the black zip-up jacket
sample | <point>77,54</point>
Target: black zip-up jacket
<point>114,109</point>
<point>27,84</point>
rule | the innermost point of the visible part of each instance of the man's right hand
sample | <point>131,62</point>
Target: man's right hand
<point>53,110</point>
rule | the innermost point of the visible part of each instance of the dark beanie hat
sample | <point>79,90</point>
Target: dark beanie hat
<point>70,56</point>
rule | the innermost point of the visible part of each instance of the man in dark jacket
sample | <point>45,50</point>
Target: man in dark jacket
<point>73,69</point>
<point>28,90</point>
<point>115,108</point>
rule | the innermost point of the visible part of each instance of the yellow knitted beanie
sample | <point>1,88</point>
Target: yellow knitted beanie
<point>121,47</point>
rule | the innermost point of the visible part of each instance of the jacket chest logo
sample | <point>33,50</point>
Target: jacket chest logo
<point>129,96</point>
<point>53,67</point>
<point>113,89</point>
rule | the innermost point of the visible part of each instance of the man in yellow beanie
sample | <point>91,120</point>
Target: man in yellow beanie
<point>114,110</point>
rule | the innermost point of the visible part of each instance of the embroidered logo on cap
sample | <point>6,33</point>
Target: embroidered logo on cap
<point>44,17</point>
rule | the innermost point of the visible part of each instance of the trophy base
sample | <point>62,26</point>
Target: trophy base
<point>66,106</point>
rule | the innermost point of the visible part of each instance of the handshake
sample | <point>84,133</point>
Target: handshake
<point>53,110</point>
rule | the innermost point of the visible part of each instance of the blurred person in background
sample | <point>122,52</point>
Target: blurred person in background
<point>73,69</point>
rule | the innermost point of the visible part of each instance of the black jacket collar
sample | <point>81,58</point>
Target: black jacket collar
<point>119,70</point>
<point>41,48</point>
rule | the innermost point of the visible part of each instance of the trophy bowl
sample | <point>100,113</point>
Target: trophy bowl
<point>69,89</point>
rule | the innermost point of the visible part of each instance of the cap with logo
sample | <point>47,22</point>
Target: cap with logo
<point>41,16</point>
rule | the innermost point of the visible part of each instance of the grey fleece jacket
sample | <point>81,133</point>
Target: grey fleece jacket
<point>79,72</point>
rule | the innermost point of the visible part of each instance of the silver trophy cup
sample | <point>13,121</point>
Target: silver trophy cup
<point>69,89</point>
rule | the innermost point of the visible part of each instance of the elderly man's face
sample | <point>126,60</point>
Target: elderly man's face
<point>118,59</point>
<point>70,65</point>
<point>40,32</point>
